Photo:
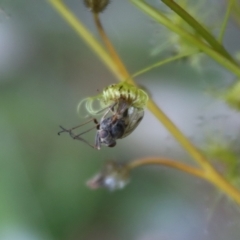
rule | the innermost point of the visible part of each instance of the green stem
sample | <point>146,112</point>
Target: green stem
<point>159,17</point>
<point>162,62</point>
<point>115,57</point>
<point>208,174</point>
<point>198,28</point>
<point>236,12</point>
<point>225,20</point>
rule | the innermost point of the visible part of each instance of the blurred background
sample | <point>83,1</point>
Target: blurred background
<point>45,70</point>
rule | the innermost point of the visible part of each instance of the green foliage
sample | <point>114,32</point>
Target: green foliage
<point>232,96</point>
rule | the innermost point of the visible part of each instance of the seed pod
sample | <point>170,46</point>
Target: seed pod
<point>96,6</point>
<point>113,176</point>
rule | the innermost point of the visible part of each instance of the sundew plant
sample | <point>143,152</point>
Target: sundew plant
<point>187,38</point>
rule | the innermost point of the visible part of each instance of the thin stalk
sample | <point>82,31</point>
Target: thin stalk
<point>212,176</point>
<point>199,29</point>
<point>163,62</point>
<point>115,57</point>
<point>236,12</point>
<point>225,20</point>
<point>218,180</point>
<point>168,163</point>
<point>159,17</point>
<point>84,34</point>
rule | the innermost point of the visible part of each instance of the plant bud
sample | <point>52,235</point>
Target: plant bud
<point>113,176</point>
<point>96,6</point>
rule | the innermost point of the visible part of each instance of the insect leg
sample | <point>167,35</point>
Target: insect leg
<point>83,140</point>
<point>77,137</point>
<point>70,130</point>
<point>97,141</point>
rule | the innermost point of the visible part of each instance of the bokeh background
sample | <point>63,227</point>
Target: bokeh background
<point>45,70</point>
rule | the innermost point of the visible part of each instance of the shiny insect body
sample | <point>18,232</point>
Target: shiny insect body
<point>117,126</point>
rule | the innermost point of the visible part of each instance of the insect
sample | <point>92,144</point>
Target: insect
<point>120,118</point>
<point>119,125</point>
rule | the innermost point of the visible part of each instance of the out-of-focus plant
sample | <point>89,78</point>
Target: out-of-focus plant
<point>189,33</point>
<point>172,43</point>
<point>232,96</point>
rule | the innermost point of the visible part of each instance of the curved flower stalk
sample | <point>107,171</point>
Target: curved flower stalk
<point>115,175</point>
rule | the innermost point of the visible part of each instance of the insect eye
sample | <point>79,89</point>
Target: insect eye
<point>103,134</point>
